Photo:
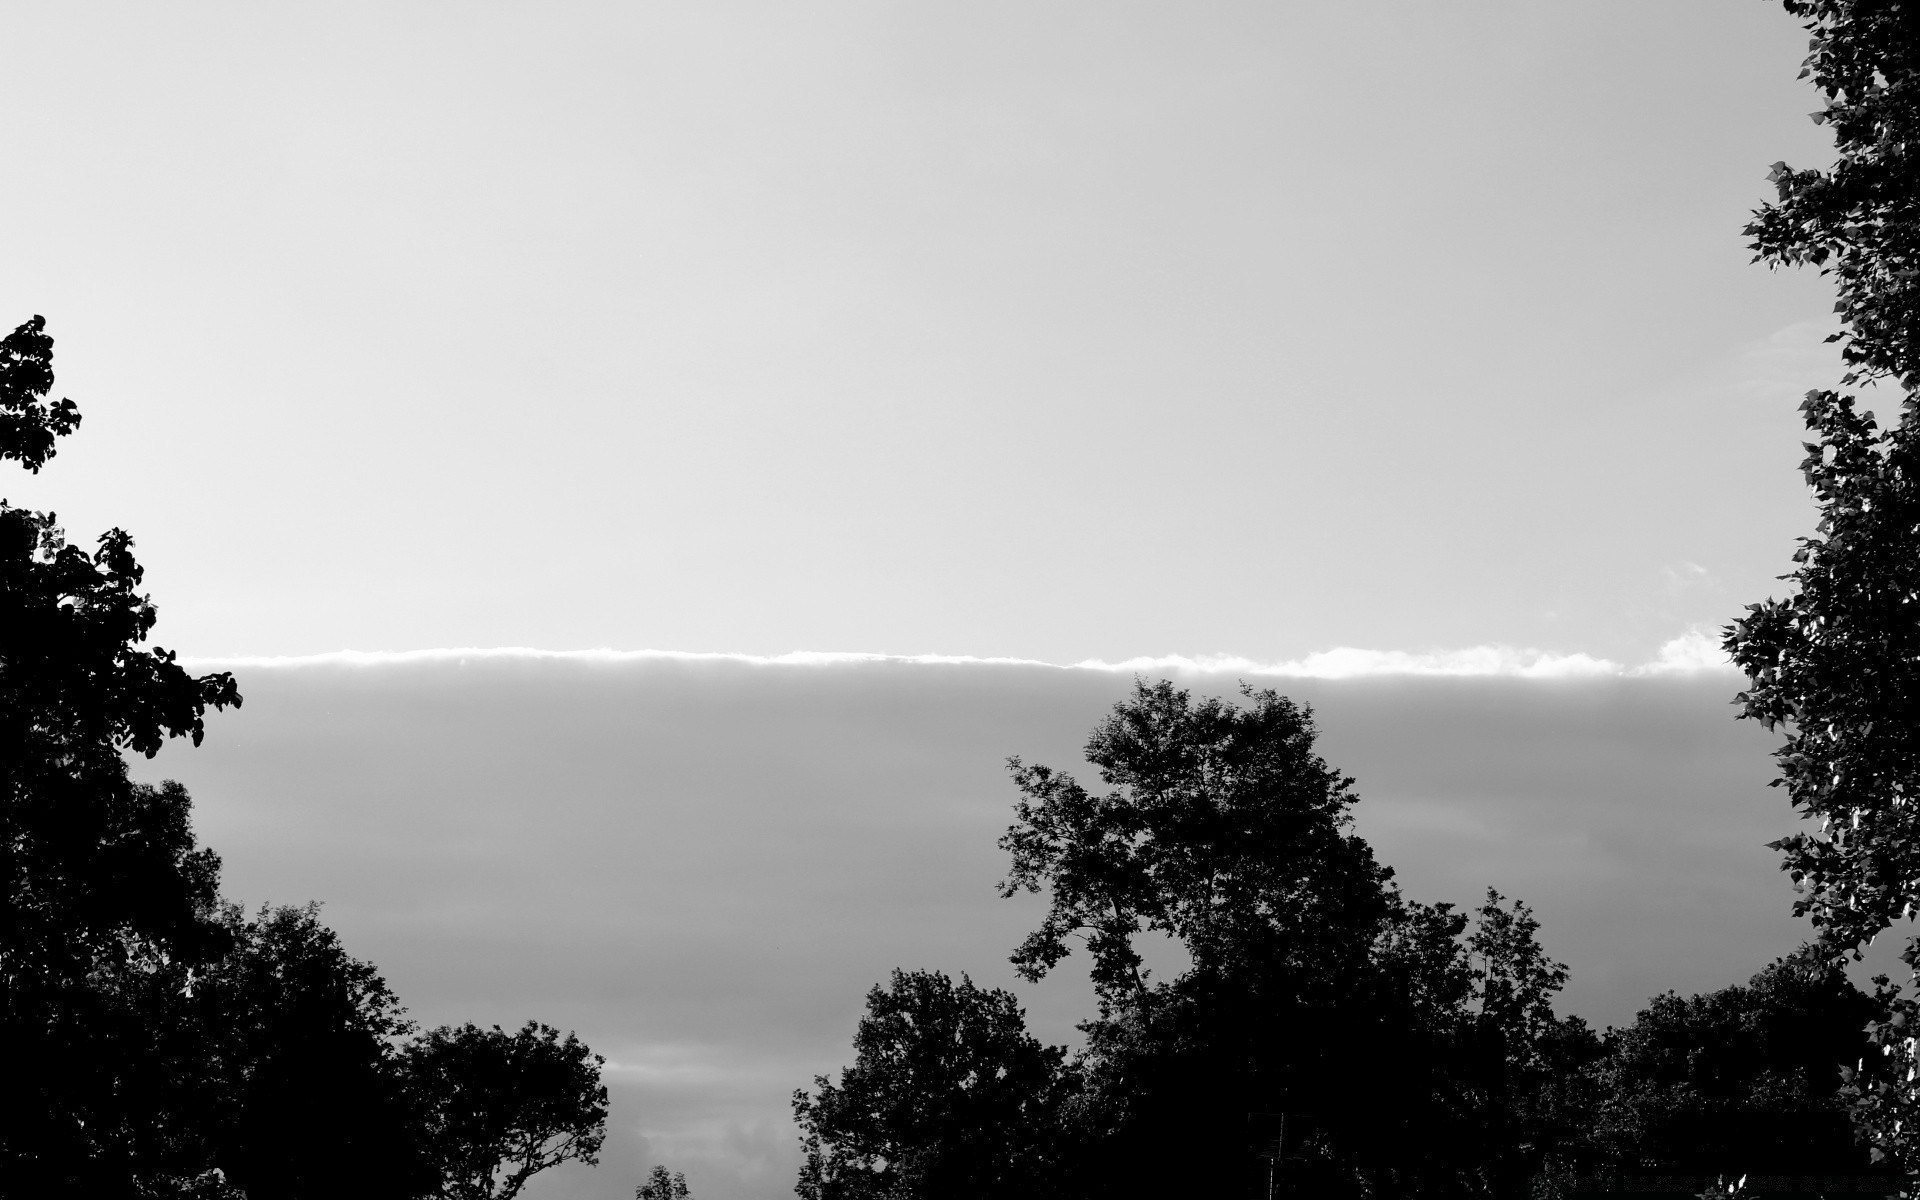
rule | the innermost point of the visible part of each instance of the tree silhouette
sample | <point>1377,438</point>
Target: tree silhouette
<point>1420,1041</point>
<point>1739,1080</point>
<point>948,1096</point>
<point>157,1042</point>
<point>274,1063</point>
<point>1836,664</point>
<point>1223,829</point>
<point>662,1186</point>
<point>95,870</point>
<point>498,1108</point>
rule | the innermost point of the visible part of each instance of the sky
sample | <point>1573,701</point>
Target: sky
<point>702,863</point>
<point>648,466</point>
<point>1050,330</point>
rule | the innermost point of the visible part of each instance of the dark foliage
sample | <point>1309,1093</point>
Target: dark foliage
<point>158,1043</point>
<point>1368,1045</point>
<point>29,422</point>
<point>1224,830</point>
<point>662,1185</point>
<point>284,1065</point>
<point>1416,1049</point>
<point>95,871</point>
<point>497,1107</point>
<point>948,1097</point>
<point>1740,1080</point>
<point>1836,664</point>
<point>274,1063</point>
<point>1859,221</point>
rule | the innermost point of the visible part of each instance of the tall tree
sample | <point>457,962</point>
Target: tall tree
<point>274,1063</point>
<point>1223,829</point>
<point>158,1043</point>
<point>95,870</point>
<point>949,1096</point>
<point>1409,1044</point>
<point>498,1108</point>
<point>1835,665</point>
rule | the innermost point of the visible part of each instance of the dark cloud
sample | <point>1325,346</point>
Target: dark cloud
<point>702,866</point>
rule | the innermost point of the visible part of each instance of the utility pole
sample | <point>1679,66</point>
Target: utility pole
<point>1272,1149</point>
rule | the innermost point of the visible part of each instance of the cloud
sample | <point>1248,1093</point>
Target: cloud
<point>1693,652</point>
<point>1348,662</point>
<point>1340,662</point>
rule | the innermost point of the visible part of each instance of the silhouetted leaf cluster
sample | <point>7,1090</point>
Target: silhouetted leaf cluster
<point>1366,1044</point>
<point>1835,665</point>
<point>660,1185</point>
<point>157,1041</point>
<point>949,1096</point>
<point>1740,1080</point>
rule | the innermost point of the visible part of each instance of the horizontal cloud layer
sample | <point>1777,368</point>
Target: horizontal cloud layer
<point>1691,652</point>
<point>701,862</point>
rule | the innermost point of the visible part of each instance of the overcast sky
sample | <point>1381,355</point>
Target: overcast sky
<point>703,864</point>
<point>1403,355</point>
<point>1058,330</point>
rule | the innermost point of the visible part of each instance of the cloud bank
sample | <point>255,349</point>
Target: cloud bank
<point>1693,651</point>
<point>702,862</point>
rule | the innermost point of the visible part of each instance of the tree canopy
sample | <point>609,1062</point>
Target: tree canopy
<point>159,1042</point>
<point>1743,1079</point>
<point>1835,665</point>
<point>949,1096</point>
<point>96,871</point>
<point>662,1185</point>
<point>1223,829</point>
<point>1413,1047</point>
<point>499,1107</point>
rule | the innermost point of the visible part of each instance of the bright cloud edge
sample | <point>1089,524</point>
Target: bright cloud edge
<point>1691,653</point>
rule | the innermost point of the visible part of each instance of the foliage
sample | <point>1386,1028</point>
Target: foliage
<point>1858,220</point>
<point>1836,664</point>
<point>1738,1080</point>
<point>1415,1047</point>
<point>29,422</point>
<point>948,1096</point>
<point>499,1107</point>
<point>1223,830</point>
<point>285,1065</point>
<point>160,1043</point>
<point>96,871</point>
<point>662,1186</point>
<point>275,1061</point>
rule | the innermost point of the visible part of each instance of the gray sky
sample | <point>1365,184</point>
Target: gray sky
<point>1060,330</point>
<point>1362,337</point>
<point>703,865</point>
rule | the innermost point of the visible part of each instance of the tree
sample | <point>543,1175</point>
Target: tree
<point>662,1186</point>
<point>274,1064</point>
<point>30,424</point>
<point>497,1108</point>
<point>95,870</point>
<point>948,1096</point>
<point>305,1034</point>
<point>1223,829</point>
<point>1505,1068</point>
<point>1420,1042</point>
<point>1836,664</point>
<point>1739,1080</point>
<point>285,1066</point>
<point>159,1043</point>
